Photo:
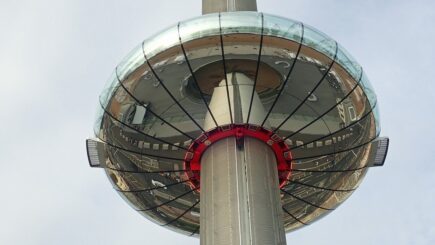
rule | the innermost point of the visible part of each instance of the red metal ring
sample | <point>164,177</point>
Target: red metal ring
<point>192,159</point>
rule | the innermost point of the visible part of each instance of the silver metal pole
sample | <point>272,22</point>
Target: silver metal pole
<point>240,201</point>
<point>214,6</point>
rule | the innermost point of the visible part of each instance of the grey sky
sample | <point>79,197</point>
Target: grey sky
<point>55,57</point>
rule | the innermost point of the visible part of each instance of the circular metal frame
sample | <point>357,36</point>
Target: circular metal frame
<point>192,159</point>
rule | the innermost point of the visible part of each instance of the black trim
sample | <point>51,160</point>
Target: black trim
<point>169,201</point>
<point>305,201</point>
<point>294,217</point>
<point>329,110</point>
<point>166,89</point>
<point>225,69</point>
<point>312,90</point>
<point>140,153</point>
<point>288,76</point>
<point>152,189</point>
<point>316,187</point>
<point>257,69</point>
<point>145,172</point>
<point>185,212</point>
<point>194,77</point>
<point>329,171</point>
<point>342,129</point>
<point>337,152</point>
<point>149,109</point>
<point>138,131</point>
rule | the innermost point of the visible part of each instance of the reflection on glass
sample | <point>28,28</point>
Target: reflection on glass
<point>377,119</point>
<point>370,93</point>
<point>278,27</point>
<point>319,41</point>
<point>110,86</point>
<point>98,120</point>
<point>368,89</point>
<point>161,42</point>
<point>242,22</point>
<point>130,63</point>
<point>199,27</point>
<point>348,62</point>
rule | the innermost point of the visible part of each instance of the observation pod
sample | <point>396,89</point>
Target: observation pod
<point>267,120</point>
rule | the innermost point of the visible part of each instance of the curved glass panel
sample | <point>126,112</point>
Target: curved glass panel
<point>278,27</point>
<point>98,120</point>
<point>277,54</point>
<point>370,93</point>
<point>181,218</point>
<point>309,72</point>
<point>129,138</point>
<point>109,87</point>
<point>338,102</point>
<point>104,98</point>
<point>377,118</point>
<point>319,41</point>
<point>171,76</point>
<point>161,42</point>
<point>368,89</point>
<point>143,91</point>
<point>241,22</point>
<point>348,62</point>
<point>316,180</point>
<point>137,161</point>
<point>356,134</point>
<point>201,42</point>
<point>130,63</point>
<point>199,27</point>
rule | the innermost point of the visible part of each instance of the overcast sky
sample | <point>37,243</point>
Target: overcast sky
<point>55,57</point>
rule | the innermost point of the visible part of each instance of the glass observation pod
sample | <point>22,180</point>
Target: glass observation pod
<point>317,99</point>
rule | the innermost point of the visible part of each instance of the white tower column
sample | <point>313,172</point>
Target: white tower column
<point>240,199</point>
<point>214,6</point>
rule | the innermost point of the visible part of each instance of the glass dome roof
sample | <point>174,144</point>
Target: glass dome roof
<point>316,96</point>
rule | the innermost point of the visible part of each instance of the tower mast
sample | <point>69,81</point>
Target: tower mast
<point>237,207</point>
<point>240,201</point>
<point>214,6</point>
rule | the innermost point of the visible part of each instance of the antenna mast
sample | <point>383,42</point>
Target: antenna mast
<point>214,6</point>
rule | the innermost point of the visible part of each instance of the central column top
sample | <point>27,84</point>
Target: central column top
<point>214,6</point>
